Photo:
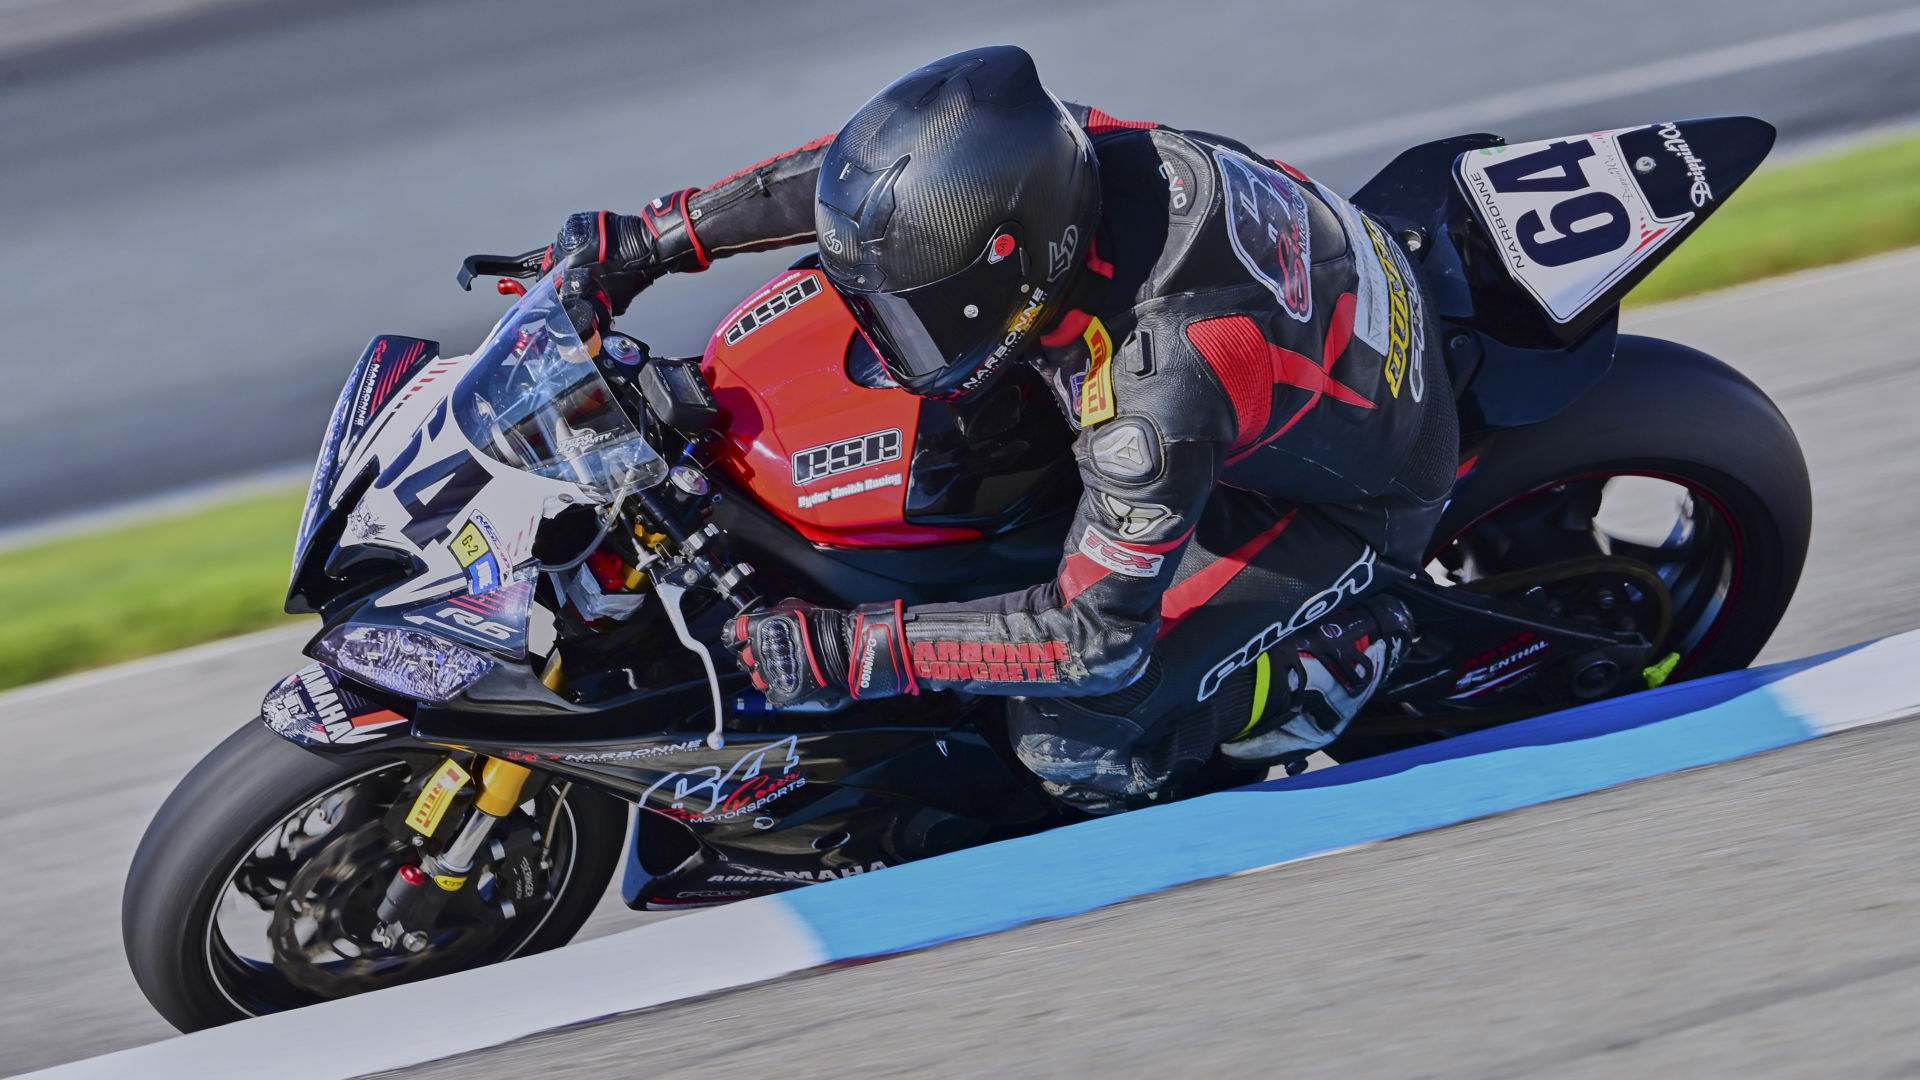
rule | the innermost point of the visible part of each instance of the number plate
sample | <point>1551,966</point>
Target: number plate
<point>1566,215</point>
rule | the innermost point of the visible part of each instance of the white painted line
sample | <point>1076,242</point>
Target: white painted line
<point>278,637</point>
<point>718,949</point>
<point>1870,685</point>
<point>1409,129</point>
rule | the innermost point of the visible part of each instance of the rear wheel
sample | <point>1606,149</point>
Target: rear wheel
<point>254,888</point>
<point>1674,461</point>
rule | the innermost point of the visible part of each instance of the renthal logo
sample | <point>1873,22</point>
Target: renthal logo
<point>773,307</point>
<point>1351,584</point>
<point>820,462</point>
<point>1485,675</point>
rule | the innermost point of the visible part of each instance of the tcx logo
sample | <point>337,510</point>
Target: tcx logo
<point>1118,557</point>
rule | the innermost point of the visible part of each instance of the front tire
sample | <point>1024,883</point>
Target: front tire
<point>239,798</point>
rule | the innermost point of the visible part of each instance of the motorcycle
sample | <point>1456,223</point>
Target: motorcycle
<point>522,559</point>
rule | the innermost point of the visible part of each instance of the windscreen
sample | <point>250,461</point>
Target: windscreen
<point>534,400</point>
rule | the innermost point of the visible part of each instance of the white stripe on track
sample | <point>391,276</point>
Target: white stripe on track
<point>1870,685</point>
<point>736,945</point>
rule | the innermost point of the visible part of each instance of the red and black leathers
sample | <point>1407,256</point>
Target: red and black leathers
<point>1266,434</point>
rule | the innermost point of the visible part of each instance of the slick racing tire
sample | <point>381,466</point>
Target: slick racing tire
<point>200,869</point>
<point>1673,416</point>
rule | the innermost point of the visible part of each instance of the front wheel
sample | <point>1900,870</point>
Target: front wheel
<point>254,887</point>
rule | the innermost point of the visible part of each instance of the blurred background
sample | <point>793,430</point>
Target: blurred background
<point>207,207</point>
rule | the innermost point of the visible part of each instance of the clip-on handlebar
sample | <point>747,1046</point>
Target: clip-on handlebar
<point>501,266</point>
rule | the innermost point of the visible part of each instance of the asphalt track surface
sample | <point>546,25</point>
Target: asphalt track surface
<point>202,221</point>
<point>1725,889</point>
<point>1728,921</point>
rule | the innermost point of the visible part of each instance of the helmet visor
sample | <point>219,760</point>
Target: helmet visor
<point>955,323</point>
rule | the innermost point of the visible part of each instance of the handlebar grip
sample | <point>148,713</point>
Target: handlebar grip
<point>526,265</point>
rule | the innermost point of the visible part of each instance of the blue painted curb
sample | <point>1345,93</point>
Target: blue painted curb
<point>1081,867</point>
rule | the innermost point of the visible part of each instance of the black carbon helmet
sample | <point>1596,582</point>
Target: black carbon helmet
<point>953,211</point>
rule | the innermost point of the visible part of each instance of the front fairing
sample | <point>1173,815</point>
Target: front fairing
<point>381,381</point>
<point>437,474</point>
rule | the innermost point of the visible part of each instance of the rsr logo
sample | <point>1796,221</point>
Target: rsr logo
<point>816,462</point>
<point>773,307</point>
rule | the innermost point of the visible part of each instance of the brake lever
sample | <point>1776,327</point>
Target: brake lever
<point>526,265</point>
<point>670,596</point>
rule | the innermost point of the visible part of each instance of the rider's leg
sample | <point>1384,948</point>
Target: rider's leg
<point>1305,690</point>
<point>1257,574</point>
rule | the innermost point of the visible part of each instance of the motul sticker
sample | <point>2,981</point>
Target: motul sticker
<point>1118,557</point>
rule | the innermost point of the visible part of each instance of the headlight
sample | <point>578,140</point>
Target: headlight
<point>418,665</point>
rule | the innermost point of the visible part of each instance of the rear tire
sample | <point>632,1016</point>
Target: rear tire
<point>1676,414</point>
<point>221,811</point>
<point>1668,411</point>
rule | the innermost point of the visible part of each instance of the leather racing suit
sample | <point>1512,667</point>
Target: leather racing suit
<point>1265,434</point>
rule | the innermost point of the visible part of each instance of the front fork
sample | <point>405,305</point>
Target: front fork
<point>420,891</point>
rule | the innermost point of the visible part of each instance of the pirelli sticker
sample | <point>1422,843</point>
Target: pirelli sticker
<point>431,806</point>
<point>1096,392</point>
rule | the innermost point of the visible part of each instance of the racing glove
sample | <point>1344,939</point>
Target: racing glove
<point>609,258</point>
<point>800,653</point>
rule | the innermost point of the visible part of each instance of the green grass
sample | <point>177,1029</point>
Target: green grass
<point>138,589</point>
<point>165,584</point>
<point>1806,213</point>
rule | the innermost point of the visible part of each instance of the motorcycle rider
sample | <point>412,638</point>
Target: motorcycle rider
<point>1265,433</point>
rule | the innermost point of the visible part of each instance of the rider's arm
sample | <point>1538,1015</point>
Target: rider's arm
<point>764,206</point>
<point>1147,474</point>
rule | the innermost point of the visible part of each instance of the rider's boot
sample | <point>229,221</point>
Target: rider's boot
<point>1305,690</point>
